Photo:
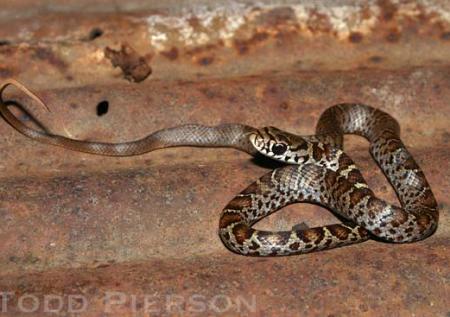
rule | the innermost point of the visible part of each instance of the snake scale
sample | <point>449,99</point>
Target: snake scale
<point>316,170</point>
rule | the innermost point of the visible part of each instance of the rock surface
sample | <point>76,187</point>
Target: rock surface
<point>138,235</point>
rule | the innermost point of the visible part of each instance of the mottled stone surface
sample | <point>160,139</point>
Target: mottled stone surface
<point>137,236</point>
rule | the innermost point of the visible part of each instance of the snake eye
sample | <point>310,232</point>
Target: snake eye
<point>279,148</point>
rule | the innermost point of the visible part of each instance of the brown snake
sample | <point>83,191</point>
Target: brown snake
<point>318,171</point>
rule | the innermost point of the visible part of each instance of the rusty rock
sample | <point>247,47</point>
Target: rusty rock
<point>146,226</point>
<point>134,66</point>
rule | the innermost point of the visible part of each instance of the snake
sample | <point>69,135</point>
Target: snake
<point>315,170</point>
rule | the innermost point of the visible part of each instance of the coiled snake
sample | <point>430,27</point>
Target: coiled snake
<point>318,171</point>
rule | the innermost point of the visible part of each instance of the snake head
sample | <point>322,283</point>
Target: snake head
<point>279,145</point>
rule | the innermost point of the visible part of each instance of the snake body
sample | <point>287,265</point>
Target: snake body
<point>317,171</point>
<point>323,174</point>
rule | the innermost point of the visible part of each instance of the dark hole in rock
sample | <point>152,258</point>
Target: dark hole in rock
<point>95,33</point>
<point>102,108</point>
